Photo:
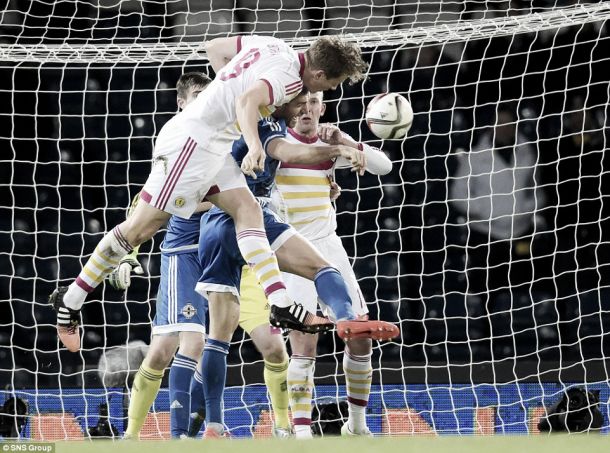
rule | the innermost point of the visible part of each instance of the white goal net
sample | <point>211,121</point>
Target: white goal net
<point>489,242</point>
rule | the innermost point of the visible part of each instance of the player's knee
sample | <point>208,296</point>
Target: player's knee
<point>316,265</point>
<point>248,211</point>
<point>191,344</point>
<point>143,224</point>
<point>275,354</point>
<point>273,350</point>
<point>303,344</point>
<point>224,316</point>
<point>159,358</point>
<point>161,351</point>
<point>137,233</point>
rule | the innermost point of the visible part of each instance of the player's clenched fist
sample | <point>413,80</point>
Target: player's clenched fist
<point>253,161</point>
<point>120,278</point>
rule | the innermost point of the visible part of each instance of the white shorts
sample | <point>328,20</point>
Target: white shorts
<point>183,172</point>
<point>303,291</point>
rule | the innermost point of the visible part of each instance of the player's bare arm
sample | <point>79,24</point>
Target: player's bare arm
<point>220,51</point>
<point>296,153</point>
<point>247,110</point>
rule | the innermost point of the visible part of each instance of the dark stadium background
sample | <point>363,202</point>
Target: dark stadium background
<point>67,125</point>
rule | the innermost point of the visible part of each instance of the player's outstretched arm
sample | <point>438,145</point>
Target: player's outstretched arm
<point>247,109</point>
<point>297,153</point>
<point>221,50</point>
<point>377,162</point>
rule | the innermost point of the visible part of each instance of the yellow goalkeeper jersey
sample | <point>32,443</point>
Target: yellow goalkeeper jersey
<point>304,191</point>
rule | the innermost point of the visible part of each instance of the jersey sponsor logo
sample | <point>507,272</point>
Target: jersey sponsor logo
<point>176,405</point>
<point>188,311</point>
<point>179,202</point>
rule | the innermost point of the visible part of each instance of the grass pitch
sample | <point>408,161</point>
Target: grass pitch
<point>444,444</point>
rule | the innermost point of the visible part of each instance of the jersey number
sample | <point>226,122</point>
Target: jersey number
<point>242,64</point>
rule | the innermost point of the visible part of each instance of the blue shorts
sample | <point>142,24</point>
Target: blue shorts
<point>179,307</point>
<point>220,258</point>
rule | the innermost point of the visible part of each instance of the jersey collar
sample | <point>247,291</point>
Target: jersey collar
<point>303,138</point>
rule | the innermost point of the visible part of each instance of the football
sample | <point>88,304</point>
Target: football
<point>389,116</point>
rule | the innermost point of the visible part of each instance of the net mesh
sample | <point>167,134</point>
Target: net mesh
<point>495,263</point>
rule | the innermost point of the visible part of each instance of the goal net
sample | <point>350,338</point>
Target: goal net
<point>488,243</point>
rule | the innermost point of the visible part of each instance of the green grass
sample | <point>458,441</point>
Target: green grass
<point>444,444</point>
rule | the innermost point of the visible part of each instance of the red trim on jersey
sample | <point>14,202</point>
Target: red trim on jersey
<point>270,91</point>
<point>302,62</point>
<point>303,138</point>
<point>145,196</point>
<point>321,166</point>
<point>175,173</point>
<point>238,44</point>
<point>294,90</point>
<point>294,87</point>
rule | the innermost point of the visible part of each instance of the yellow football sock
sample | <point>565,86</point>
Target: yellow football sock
<point>275,378</point>
<point>143,392</point>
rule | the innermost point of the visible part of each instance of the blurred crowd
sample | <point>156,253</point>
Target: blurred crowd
<point>490,239</point>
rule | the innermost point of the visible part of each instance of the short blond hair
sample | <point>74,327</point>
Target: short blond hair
<point>190,80</point>
<point>337,57</point>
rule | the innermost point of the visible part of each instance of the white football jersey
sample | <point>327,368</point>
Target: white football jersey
<point>212,116</point>
<point>304,191</point>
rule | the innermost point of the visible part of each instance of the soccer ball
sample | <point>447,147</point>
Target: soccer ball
<point>389,116</point>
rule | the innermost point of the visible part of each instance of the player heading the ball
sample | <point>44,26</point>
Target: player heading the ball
<point>253,73</point>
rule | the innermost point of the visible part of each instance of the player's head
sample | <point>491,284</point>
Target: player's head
<point>189,85</point>
<point>330,61</point>
<point>294,109</point>
<point>307,122</point>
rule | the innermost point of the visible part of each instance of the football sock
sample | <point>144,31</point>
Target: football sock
<point>214,366</point>
<point>197,415</point>
<point>332,290</point>
<point>358,377</point>
<point>300,389</point>
<point>275,378</point>
<point>180,375</point>
<point>104,259</point>
<point>257,253</point>
<point>143,392</point>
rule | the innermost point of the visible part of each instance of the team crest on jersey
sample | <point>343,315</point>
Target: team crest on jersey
<point>188,311</point>
<point>179,202</point>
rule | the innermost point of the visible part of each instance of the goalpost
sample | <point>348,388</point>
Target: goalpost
<point>495,264</point>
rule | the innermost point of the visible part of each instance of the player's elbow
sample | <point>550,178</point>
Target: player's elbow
<point>381,168</point>
<point>386,167</point>
<point>209,46</point>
